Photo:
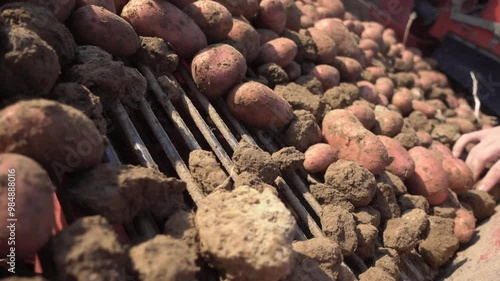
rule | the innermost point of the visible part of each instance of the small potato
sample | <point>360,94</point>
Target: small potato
<point>272,15</point>
<point>372,73</point>
<point>327,49</point>
<point>364,113</point>
<point>460,178</point>
<point>293,16</point>
<point>318,157</point>
<point>424,107</point>
<point>368,92</point>
<point>369,44</point>
<point>257,105</point>
<point>344,132</point>
<point>402,164</point>
<point>465,225</point>
<point>403,99</point>
<point>281,51</point>
<point>245,39</point>
<point>217,69</point>
<point>59,137</point>
<point>106,4</point>
<point>212,18</point>
<point>266,35</point>
<point>349,68</point>
<point>29,184</point>
<point>424,138</point>
<point>466,126</point>
<point>385,87</point>
<point>388,123</point>
<point>328,75</point>
<point>429,179</point>
<point>97,26</point>
<point>293,71</point>
<point>336,7</point>
<point>346,45</point>
<point>157,18</point>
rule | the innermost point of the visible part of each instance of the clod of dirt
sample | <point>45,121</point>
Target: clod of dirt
<point>367,234</point>
<point>180,225</point>
<point>163,258</point>
<point>339,225</point>
<point>206,170</point>
<point>400,235</point>
<point>306,47</point>
<point>303,131</point>
<point>376,273</point>
<point>345,274</point>
<point>89,247</point>
<point>29,66</point>
<point>87,53</point>
<point>443,211</point>
<point>251,180</point>
<point>119,193</point>
<point>300,98</point>
<point>44,24</point>
<point>170,87</point>
<point>385,202</point>
<point>289,159</point>
<point>407,140</point>
<point>402,79</point>
<point>481,203</point>
<point>446,133</point>
<point>261,249</point>
<point>341,96</point>
<point>311,83</point>
<point>79,97</point>
<point>407,202</point>
<point>250,158</point>
<point>418,218</point>
<point>440,243</point>
<point>367,215</point>
<point>353,180</point>
<point>316,259</point>
<point>418,120</point>
<point>398,186</point>
<point>157,54</point>
<point>273,74</point>
<point>390,265</point>
<point>327,195</point>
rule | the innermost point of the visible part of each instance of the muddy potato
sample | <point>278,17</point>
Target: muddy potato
<point>245,39</point>
<point>214,19</point>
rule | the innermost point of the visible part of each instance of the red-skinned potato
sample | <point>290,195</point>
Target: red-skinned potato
<point>344,132</point>
<point>266,35</point>
<point>424,107</point>
<point>181,4</point>
<point>281,51</point>
<point>156,18</point>
<point>212,18</point>
<point>272,15</point>
<point>385,87</point>
<point>460,178</point>
<point>293,71</point>
<point>429,179</point>
<point>388,123</point>
<point>327,49</point>
<point>318,157</point>
<point>217,69</point>
<point>92,25</point>
<point>26,181</point>
<point>349,68</point>
<point>466,126</point>
<point>293,15</point>
<point>465,225</point>
<point>368,92</point>
<point>346,45</point>
<point>106,4</point>
<point>364,113</point>
<point>402,164</point>
<point>247,8</point>
<point>424,138</point>
<point>403,99</point>
<point>245,39</point>
<point>257,105</point>
<point>335,6</point>
<point>327,75</point>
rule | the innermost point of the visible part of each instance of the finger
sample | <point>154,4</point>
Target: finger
<point>464,140</point>
<point>479,156</point>
<point>491,178</point>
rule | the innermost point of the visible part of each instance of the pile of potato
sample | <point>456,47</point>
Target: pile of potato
<point>371,120</point>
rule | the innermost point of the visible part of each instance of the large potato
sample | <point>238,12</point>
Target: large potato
<point>157,18</point>
<point>93,25</point>
<point>272,15</point>
<point>257,105</point>
<point>429,179</point>
<point>328,75</point>
<point>213,18</point>
<point>460,178</point>
<point>402,164</point>
<point>106,4</point>
<point>217,69</point>
<point>346,44</point>
<point>327,49</point>
<point>245,39</point>
<point>59,137</point>
<point>349,68</point>
<point>344,132</point>
<point>27,182</point>
<point>388,123</point>
<point>281,51</point>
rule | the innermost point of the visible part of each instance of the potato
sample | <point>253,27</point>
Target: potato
<point>247,8</point>
<point>217,69</point>
<point>344,132</point>
<point>466,126</point>
<point>385,87</point>
<point>59,137</point>
<point>293,15</point>
<point>424,138</point>
<point>306,22</point>
<point>106,4</point>
<point>257,105</point>
<point>119,4</point>
<point>429,179</point>
<point>61,9</point>
<point>368,92</point>
<point>402,164</point>
<point>327,49</point>
<point>465,225</point>
<point>364,113</point>
<point>97,26</point>
<point>372,73</point>
<point>383,100</point>
<point>369,44</point>
<point>349,68</point>
<point>245,39</point>
<point>328,75</point>
<point>424,107</point>
<point>318,157</point>
<point>156,18</point>
<point>281,51</point>
<point>293,71</point>
<point>460,178</point>
<point>403,99</point>
<point>212,18</point>
<point>308,10</point>
<point>336,7</point>
<point>29,184</point>
<point>388,123</point>
<point>346,45</point>
<point>272,15</point>
<point>181,4</point>
<point>266,35</point>
<point>437,78</point>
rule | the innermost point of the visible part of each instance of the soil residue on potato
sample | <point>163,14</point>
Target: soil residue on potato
<point>206,170</point>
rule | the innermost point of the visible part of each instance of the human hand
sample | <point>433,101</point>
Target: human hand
<point>486,151</point>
